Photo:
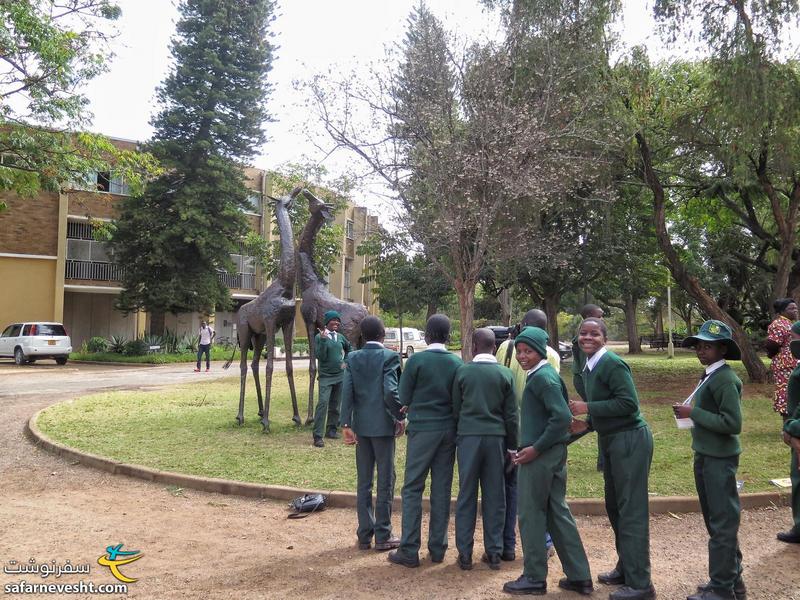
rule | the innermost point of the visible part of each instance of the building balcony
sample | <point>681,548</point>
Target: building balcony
<point>241,281</point>
<point>92,270</point>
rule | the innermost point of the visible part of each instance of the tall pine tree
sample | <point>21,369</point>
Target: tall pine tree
<point>175,238</point>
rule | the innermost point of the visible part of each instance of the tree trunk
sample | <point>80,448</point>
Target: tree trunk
<point>659,319</point>
<point>505,307</point>
<point>433,308</point>
<point>157,323</point>
<point>634,347</point>
<point>550,304</point>
<point>755,368</point>
<point>688,322</point>
<point>466,304</point>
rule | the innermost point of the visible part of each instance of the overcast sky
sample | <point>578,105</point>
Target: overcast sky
<point>312,35</point>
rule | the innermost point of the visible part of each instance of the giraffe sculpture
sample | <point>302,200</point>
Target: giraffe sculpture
<point>317,299</point>
<point>259,319</point>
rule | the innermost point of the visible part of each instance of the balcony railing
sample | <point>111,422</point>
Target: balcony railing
<point>240,281</point>
<point>94,271</point>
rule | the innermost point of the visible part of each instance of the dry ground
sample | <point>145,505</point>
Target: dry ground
<point>199,545</point>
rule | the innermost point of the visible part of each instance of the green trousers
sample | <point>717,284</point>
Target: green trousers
<point>431,452</point>
<point>481,459</point>
<point>543,508</point>
<point>328,403</point>
<point>627,456</point>
<point>374,454</point>
<point>715,479</point>
<point>795,475</point>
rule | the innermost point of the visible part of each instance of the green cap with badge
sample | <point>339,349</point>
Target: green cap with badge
<point>715,331</point>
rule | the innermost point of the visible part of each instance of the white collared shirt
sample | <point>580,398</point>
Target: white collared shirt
<point>538,366</point>
<point>374,344</point>
<point>714,366</point>
<point>331,334</point>
<point>485,358</point>
<point>437,346</point>
<point>592,361</point>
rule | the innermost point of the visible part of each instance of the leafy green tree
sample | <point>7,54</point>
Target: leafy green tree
<point>48,51</point>
<point>177,237</point>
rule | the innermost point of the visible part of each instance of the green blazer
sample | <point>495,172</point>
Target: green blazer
<point>330,356</point>
<point>792,425</point>
<point>370,401</point>
<point>611,396</point>
<point>717,415</point>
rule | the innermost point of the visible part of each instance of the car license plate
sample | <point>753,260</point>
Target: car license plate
<point>51,342</point>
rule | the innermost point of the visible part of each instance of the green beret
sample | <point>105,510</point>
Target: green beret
<point>330,316</point>
<point>534,337</point>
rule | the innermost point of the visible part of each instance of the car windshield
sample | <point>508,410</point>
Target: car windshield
<point>47,329</point>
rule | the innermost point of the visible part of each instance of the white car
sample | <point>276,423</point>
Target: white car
<point>27,342</point>
<point>413,340</point>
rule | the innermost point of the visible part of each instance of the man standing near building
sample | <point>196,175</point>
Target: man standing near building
<point>331,348</point>
<point>204,341</point>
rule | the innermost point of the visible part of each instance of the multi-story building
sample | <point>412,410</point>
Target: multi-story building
<point>53,268</point>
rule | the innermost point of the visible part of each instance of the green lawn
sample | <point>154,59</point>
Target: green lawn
<point>192,429</point>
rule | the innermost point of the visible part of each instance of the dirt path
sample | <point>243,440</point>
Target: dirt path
<point>198,545</point>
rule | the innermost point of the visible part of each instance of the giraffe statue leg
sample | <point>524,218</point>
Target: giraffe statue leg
<point>312,371</point>
<point>258,346</point>
<point>269,338</point>
<point>243,335</point>
<point>288,334</point>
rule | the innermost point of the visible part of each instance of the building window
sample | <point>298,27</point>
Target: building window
<point>103,181</point>
<point>347,280</point>
<point>349,228</point>
<point>253,203</point>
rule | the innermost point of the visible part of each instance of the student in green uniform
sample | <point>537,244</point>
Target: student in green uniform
<point>331,349</point>
<point>589,311</point>
<point>791,436</point>
<point>544,431</point>
<point>431,447</point>
<point>506,355</point>
<point>626,444</point>
<point>486,425</point>
<point>371,421</point>
<point>717,418</point>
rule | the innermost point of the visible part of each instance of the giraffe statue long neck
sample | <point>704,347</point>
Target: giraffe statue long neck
<point>308,267</point>
<point>288,270</point>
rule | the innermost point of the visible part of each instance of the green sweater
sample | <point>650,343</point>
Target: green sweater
<point>484,401</point>
<point>578,364</point>
<point>330,355</point>
<point>425,388</point>
<point>544,415</point>
<point>792,425</point>
<point>611,395</point>
<point>717,415</point>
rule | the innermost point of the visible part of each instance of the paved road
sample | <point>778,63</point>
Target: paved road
<point>46,378</point>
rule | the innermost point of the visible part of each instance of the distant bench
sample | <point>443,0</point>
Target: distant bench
<point>660,342</point>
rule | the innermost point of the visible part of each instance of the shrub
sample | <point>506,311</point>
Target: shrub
<point>97,344</point>
<point>117,344</point>
<point>136,348</point>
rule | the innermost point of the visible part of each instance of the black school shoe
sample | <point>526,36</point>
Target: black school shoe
<point>332,434</point>
<point>508,555</point>
<point>493,560</point>
<point>583,587</point>
<point>790,537</point>
<point>711,595</point>
<point>739,589</point>
<point>318,443</point>
<point>398,558</point>
<point>612,577</point>
<point>464,562</point>
<point>628,593</point>
<point>525,586</point>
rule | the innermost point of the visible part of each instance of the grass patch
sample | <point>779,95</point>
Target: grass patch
<point>192,429</point>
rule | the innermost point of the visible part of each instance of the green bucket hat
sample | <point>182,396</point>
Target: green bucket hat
<point>330,316</point>
<point>534,337</point>
<point>715,331</point>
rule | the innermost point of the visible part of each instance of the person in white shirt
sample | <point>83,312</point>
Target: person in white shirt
<point>204,341</point>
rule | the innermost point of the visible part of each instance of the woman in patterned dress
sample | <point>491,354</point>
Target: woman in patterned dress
<point>777,344</point>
